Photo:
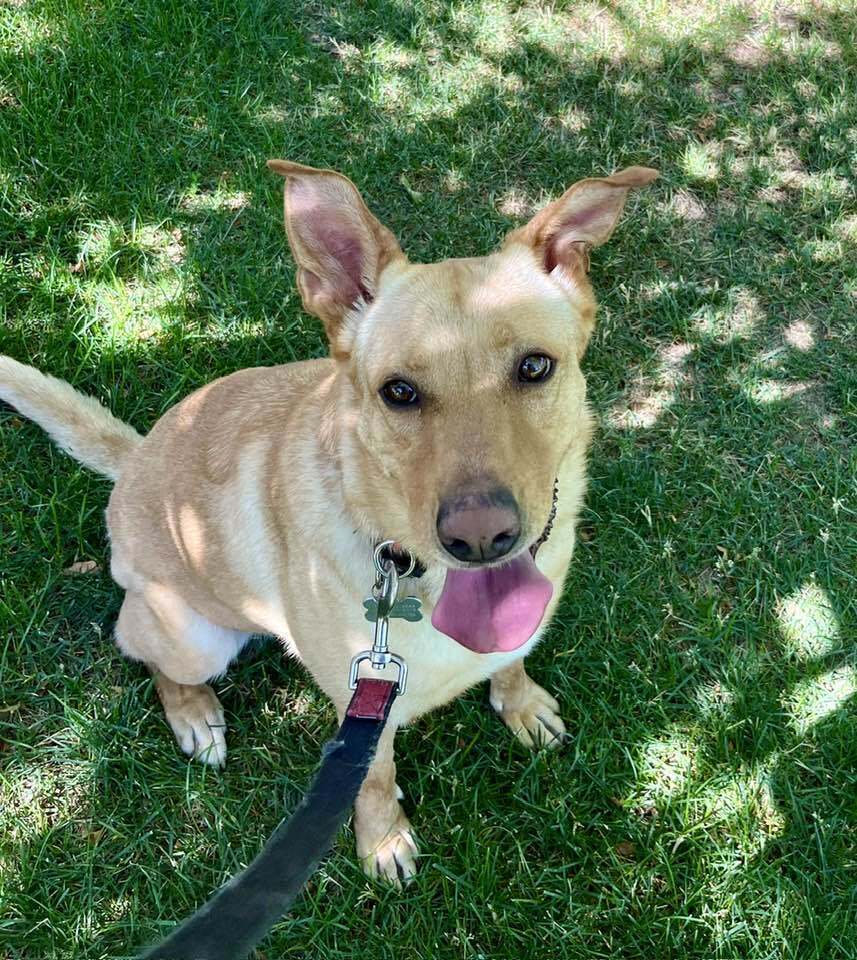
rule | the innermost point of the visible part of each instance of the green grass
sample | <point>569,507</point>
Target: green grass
<point>706,806</point>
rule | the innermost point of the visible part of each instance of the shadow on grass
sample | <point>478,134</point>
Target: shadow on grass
<point>702,648</point>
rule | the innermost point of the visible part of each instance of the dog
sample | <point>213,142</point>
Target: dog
<point>450,417</point>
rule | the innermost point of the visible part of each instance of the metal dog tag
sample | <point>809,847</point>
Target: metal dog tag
<point>408,608</point>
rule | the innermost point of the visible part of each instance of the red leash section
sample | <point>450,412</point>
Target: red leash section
<point>372,700</point>
<point>239,915</point>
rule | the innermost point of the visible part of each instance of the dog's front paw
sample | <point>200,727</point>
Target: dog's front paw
<point>197,720</point>
<point>531,713</point>
<point>391,856</point>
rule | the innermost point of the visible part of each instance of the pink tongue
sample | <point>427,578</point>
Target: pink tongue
<point>494,609</point>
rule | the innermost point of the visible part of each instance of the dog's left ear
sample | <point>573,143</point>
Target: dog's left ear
<point>562,235</point>
<point>583,217</point>
<point>340,248</point>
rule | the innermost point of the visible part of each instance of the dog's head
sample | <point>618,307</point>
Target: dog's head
<point>460,383</point>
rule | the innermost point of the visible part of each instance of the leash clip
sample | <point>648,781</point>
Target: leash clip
<point>385,593</point>
<point>379,663</point>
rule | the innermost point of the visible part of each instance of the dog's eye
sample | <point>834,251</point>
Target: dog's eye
<point>534,368</point>
<point>399,393</point>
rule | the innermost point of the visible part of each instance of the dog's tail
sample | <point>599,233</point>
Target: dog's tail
<point>79,424</point>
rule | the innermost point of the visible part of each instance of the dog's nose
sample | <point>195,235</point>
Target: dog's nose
<point>479,527</point>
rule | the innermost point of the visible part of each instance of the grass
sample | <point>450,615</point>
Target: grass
<point>706,806</point>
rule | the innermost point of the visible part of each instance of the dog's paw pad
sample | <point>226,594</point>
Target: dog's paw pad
<point>394,859</point>
<point>200,728</point>
<point>535,720</point>
<point>536,730</point>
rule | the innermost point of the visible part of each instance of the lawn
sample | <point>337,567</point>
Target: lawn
<point>706,804</point>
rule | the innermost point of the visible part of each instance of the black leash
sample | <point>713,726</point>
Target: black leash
<point>237,917</point>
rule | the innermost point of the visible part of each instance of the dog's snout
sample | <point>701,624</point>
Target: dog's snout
<point>479,527</point>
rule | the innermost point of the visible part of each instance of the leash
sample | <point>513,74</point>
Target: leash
<point>239,915</point>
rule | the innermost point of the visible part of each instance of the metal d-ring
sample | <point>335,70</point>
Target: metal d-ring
<point>366,655</point>
<point>377,559</point>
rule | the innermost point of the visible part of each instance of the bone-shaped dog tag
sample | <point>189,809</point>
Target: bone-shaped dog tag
<point>408,608</point>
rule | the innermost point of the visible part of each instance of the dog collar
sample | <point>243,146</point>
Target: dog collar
<point>534,549</point>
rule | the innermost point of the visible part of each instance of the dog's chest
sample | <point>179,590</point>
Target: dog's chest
<point>439,669</point>
<point>328,627</point>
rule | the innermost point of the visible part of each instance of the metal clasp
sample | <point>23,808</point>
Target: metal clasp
<point>402,681</point>
<point>385,593</point>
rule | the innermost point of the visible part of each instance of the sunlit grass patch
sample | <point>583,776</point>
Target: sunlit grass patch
<point>388,55</point>
<point>816,698</point>
<point>650,395</point>
<point>826,185</point>
<point>453,181</point>
<point>127,311</point>
<point>516,203</point>
<point>738,318</point>
<point>845,228</point>
<point>713,698</point>
<point>808,623</point>
<point>800,334</point>
<point>129,277</point>
<point>428,91</point>
<point>220,199</point>
<point>26,27</point>
<point>666,766</point>
<point>824,251</point>
<point>700,162</point>
<point>115,249</point>
<point>744,801</point>
<point>489,25</point>
<point>775,391</point>
<point>39,796</point>
<point>688,207</point>
<point>574,119</point>
<point>736,810</point>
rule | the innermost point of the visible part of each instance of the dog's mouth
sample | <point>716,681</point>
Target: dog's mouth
<point>496,609</point>
<point>493,609</point>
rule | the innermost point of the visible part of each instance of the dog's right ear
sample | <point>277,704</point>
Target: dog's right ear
<point>340,248</point>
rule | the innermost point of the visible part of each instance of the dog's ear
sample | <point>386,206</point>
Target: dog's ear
<point>339,247</point>
<point>583,217</point>
<point>562,235</point>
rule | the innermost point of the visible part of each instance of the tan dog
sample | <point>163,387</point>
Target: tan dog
<point>452,402</point>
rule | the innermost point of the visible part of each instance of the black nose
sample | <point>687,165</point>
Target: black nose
<point>479,527</point>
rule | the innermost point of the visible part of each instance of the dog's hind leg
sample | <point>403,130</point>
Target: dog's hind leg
<point>528,710</point>
<point>182,650</point>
